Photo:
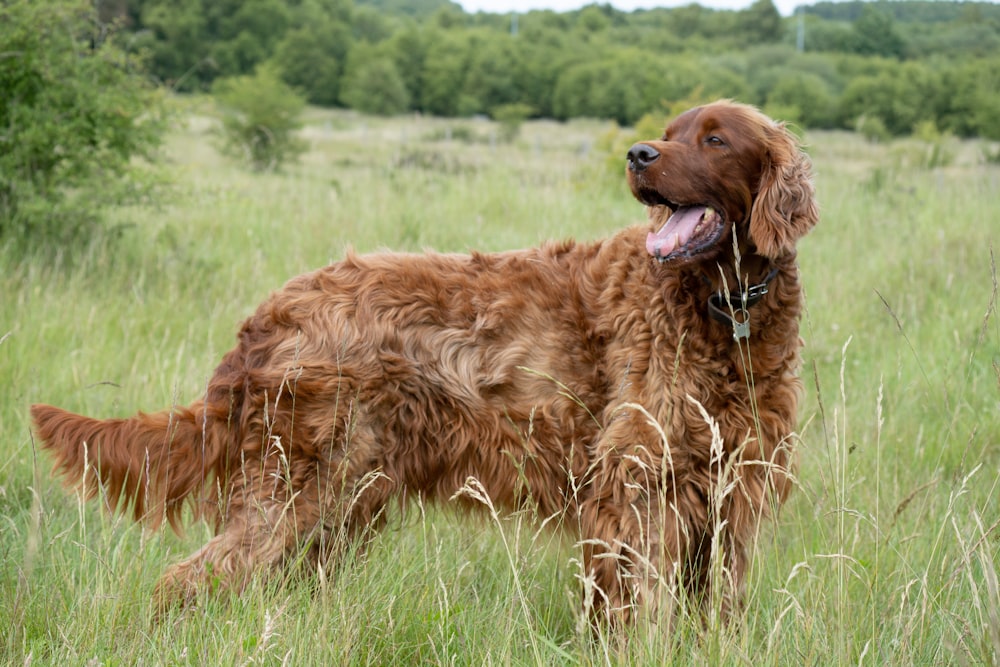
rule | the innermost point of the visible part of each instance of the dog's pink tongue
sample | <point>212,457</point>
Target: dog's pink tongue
<point>675,232</point>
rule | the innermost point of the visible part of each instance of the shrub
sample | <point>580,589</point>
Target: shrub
<point>260,118</point>
<point>74,113</point>
<point>991,154</point>
<point>872,128</point>
<point>934,147</point>
<point>511,117</point>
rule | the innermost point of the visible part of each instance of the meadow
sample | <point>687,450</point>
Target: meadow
<point>886,553</point>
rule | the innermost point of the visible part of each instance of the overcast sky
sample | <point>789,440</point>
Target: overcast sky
<point>501,6</point>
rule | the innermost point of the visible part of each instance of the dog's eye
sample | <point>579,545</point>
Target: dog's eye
<point>715,140</point>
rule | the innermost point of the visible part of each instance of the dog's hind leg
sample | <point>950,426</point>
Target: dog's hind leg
<point>261,531</point>
<point>228,560</point>
<point>353,494</point>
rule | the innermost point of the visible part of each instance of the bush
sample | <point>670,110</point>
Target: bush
<point>511,117</point>
<point>935,149</point>
<point>260,118</point>
<point>74,113</point>
<point>872,128</point>
<point>991,154</point>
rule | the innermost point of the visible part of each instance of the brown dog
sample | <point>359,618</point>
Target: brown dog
<point>642,387</point>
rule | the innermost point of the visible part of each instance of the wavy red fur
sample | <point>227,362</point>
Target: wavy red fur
<point>583,379</point>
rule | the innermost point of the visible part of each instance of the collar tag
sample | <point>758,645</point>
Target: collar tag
<point>741,325</point>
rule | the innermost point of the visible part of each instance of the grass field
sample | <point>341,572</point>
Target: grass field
<point>886,554</point>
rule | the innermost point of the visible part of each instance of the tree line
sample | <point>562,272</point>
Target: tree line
<point>902,62</point>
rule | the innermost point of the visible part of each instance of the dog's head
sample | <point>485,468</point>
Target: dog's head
<point>718,167</point>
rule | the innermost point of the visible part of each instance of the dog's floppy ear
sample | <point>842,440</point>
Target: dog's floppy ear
<point>785,208</point>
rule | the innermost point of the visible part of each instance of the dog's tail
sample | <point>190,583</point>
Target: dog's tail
<point>151,462</point>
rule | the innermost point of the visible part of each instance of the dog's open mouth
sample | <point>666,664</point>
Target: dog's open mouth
<point>689,231</point>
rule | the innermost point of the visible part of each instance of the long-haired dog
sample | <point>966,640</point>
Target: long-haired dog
<point>641,387</point>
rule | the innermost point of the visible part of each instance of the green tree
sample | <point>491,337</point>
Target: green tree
<point>804,98</point>
<point>761,23</point>
<point>75,113</point>
<point>828,36</point>
<point>310,59</point>
<point>372,84</point>
<point>178,41</point>
<point>593,18</point>
<point>875,34</point>
<point>448,17</point>
<point>489,76</point>
<point>408,49</point>
<point>542,54</point>
<point>970,104</point>
<point>624,84</point>
<point>372,25</point>
<point>900,96</point>
<point>690,19</point>
<point>311,55</point>
<point>260,118</point>
<point>445,63</point>
<point>244,32</point>
<point>580,91</point>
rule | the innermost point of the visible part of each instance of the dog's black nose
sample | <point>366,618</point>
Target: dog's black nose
<point>641,156</point>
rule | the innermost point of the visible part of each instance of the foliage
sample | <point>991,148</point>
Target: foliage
<point>805,98</point>
<point>899,95</point>
<point>415,8</point>
<point>178,39</point>
<point>935,147</point>
<point>75,113</point>
<point>511,117</point>
<point>599,89</point>
<point>371,26</point>
<point>875,34</point>
<point>761,22</point>
<point>597,60</point>
<point>872,128</point>
<point>371,83</point>
<point>443,76</point>
<point>310,59</point>
<point>915,11</point>
<point>248,31</point>
<point>407,48</point>
<point>991,154</point>
<point>260,117</point>
<point>489,78</point>
<point>972,106</point>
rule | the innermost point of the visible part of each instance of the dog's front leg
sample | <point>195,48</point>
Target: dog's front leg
<point>634,528</point>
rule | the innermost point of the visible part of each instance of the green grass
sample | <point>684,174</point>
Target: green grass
<point>886,553</point>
